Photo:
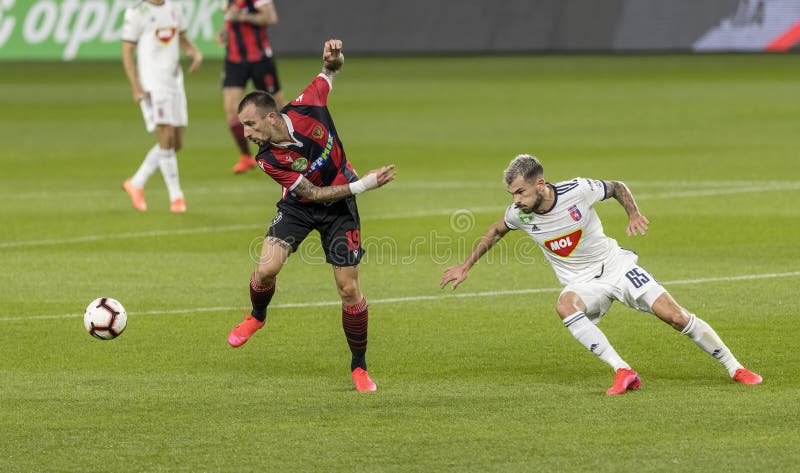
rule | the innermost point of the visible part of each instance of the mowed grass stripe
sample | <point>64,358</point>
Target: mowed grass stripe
<point>447,295</point>
<point>388,216</point>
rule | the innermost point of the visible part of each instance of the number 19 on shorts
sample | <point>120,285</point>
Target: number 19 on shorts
<point>353,239</point>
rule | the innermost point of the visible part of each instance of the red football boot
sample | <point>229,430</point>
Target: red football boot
<point>246,162</point>
<point>242,332</point>
<point>745,376</point>
<point>625,380</point>
<point>363,382</point>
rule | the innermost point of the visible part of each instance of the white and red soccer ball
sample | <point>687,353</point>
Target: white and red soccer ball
<point>105,318</point>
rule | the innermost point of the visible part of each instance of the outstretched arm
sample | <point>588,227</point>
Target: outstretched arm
<point>637,222</point>
<point>459,273</point>
<point>372,180</point>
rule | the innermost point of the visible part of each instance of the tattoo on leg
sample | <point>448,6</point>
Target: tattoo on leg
<point>281,243</point>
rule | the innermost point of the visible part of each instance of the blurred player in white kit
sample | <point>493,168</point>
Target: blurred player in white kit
<point>153,35</point>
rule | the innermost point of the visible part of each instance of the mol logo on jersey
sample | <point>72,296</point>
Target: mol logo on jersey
<point>564,245</point>
<point>165,35</point>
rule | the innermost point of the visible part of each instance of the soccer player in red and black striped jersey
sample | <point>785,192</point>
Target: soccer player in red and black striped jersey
<point>248,57</point>
<point>300,148</point>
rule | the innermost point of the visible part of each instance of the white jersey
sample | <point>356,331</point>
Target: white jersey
<point>570,234</point>
<point>155,30</point>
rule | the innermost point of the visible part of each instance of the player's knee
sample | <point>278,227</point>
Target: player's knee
<point>349,291</point>
<point>265,275</point>
<point>566,306</point>
<point>677,317</point>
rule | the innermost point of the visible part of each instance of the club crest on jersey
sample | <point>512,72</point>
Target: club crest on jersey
<point>575,213</point>
<point>316,133</point>
<point>564,245</point>
<point>165,35</point>
<point>300,164</point>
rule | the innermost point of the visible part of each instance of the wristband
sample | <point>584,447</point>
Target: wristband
<point>357,187</point>
<point>370,181</point>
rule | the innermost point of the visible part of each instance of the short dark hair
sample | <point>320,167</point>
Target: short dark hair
<point>262,100</point>
<point>523,165</point>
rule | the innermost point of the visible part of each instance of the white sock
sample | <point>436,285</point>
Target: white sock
<point>594,340</point>
<point>707,339</point>
<point>147,168</point>
<point>168,163</point>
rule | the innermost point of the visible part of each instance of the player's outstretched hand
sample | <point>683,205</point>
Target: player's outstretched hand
<point>457,274</point>
<point>332,54</point>
<point>638,224</point>
<point>385,174</point>
<point>374,179</point>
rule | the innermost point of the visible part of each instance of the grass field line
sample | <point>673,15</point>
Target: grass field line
<point>449,294</point>
<point>724,191</point>
<point>222,228</point>
<point>396,186</point>
<point>789,185</point>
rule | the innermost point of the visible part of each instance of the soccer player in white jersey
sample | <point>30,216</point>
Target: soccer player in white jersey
<point>155,32</point>
<point>594,270</point>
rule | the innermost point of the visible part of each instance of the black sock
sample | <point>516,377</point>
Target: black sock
<point>260,297</point>
<point>355,320</point>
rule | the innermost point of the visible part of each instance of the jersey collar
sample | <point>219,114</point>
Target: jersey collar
<point>555,200</point>
<point>289,125</point>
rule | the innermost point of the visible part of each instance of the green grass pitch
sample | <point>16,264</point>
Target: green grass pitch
<point>490,381</point>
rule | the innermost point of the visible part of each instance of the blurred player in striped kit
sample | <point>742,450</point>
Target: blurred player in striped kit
<point>248,57</point>
<point>153,35</point>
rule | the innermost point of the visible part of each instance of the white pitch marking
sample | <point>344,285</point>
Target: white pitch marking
<point>447,295</point>
<point>776,186</point>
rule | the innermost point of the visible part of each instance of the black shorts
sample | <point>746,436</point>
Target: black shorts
<point>338,224</point>
<point>264,75</point>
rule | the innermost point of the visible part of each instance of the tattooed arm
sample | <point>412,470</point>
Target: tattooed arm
<point>314,193</point>
<point>638,222</point>
<point>374,179</point>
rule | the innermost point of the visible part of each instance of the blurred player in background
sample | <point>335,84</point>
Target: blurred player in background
<point>593,268</point>
<point>300,149</point>
<point>153,35</point>
<point>248,56</point>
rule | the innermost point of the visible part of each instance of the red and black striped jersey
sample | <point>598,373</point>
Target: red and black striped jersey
<point>316,153</point>
<point>247,42</point>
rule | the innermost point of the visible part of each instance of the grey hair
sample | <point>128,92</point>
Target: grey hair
<point>523,165</point>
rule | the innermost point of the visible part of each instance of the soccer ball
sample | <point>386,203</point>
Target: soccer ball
<point>105,318</point>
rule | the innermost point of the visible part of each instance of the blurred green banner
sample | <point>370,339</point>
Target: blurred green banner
<point>88,29</point>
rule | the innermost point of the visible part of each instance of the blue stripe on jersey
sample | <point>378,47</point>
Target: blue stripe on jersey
<point>564,188</point>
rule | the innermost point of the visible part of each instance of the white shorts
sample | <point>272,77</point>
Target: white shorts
<point>165,108</point>
<point>621,279</point>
